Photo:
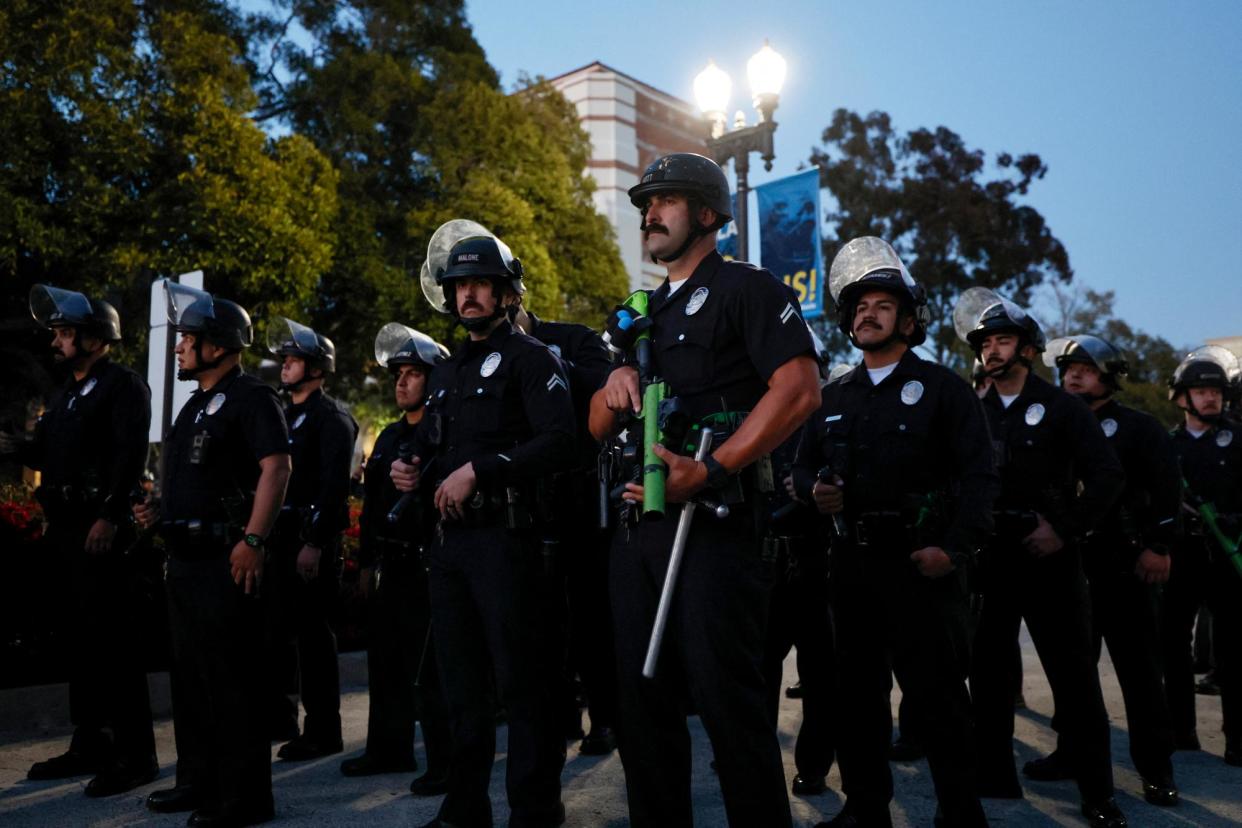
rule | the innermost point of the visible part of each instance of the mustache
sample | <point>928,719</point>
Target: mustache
<point>654,227</point>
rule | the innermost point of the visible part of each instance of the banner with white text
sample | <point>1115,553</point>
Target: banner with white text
<point>789,243</point>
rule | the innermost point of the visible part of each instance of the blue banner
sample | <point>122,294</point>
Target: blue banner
<point>726,237</point>
<point>789,244</point>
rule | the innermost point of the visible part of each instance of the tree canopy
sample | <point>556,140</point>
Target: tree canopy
<point>955,219</point>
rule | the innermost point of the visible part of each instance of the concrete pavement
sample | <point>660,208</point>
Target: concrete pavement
<point>314,793</point>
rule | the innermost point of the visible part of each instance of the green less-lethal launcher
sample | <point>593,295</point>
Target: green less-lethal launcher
<point>654,392</point>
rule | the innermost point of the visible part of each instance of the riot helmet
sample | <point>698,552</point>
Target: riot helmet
<point>1210,366</point>
<point>700,178</point>
<point>397,345</point>
<point>288,338</point>
<point>981,312</point>
<point>221,322</point>
<point>870,263</point>
<point>481,257</point>
<point>54,307</point>
<point>1088,350</point>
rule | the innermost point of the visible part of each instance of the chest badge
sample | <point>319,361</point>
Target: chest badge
<point>217,402</point>
<point>1224,438</point>
<point>301,419</point>
<point>555,349</point>
<point>490,364</point>
<point>912,392</point>
<point>695,303</point>
<point>89,387</point>
<point>1109,426</point>
<point>1034,414</point>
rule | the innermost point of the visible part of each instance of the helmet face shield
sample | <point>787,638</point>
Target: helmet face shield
<point>288,338</point>
<point>188,308</point>
<point>55,307</point>
<point>868,258</point>
<point>442,241</point>
<point>398,344</point>
<point>981,312</point>
<point>1087,349</point>
<point>1210,366</point>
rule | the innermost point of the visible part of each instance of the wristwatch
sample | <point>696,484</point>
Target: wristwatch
<point>717,475</point>
<point>254,541</point>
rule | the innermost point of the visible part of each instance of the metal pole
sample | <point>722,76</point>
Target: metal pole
<point>741,165</point>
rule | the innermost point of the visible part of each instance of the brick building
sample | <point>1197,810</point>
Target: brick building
<point>630,124</point>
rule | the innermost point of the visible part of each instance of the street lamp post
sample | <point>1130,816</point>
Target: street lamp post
<point>766,73</point>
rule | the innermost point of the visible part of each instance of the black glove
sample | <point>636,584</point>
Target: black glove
<point>623,328</point>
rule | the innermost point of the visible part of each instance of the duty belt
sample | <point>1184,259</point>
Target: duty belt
<point>885,529</point>
<point>57,501</point>
<point>396,549</point>
<point>1014,524</point>
<point>198,539</point>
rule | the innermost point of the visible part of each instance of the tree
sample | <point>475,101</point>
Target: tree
<point>401,98</point>
<point>955,222</point>
<point>128,154</point>
<point>1151,359</point>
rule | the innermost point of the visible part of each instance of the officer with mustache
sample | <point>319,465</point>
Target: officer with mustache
<point>898,455</point>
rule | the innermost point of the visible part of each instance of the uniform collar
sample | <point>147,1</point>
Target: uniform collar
<point>97,368</point>
<point>1111,408</point>
<point>493,342</point>
<point>313,399</point>
<point>702,275</point>
<point>907,366</point>
<point>224,384</point>
<point>1035,388</point>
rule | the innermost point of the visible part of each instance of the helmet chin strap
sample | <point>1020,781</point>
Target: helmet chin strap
<point>200,364</point>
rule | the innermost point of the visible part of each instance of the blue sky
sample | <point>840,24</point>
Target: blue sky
<point>1136,108</point>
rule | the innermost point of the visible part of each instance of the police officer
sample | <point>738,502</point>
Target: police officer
<point>1126,559</point>
<point>582,543</point>
<point>404,685</point>
<point>499,417</point>
<point>1208,446</point>
<point>303,579</point>
<point>226,464</point>
<point>898,454</point>
<point>1059,477</point>
<point>732,347</point>
<point>91,446</point>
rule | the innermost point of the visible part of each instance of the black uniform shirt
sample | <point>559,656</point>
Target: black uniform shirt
<point>321,446</point>
<point>380,495</point>
<point>241,422</point>
<point>94,436</point>
<point>587,362</point>
<point>921,430</point>
<point>1152,496</point>
<point>1212,465</point>
<point>719,338</point>
<point>1048,444</point>
<point>502,404</point>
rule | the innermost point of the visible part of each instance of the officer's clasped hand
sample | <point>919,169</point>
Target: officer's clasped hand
<point>829,499</point>
<point>453,493</point>
<point>1044,540</point>
<point>932,561</point>
<point>1152,568</point>
<point>146,512</point>
<point>308,562</point>
<point>404,475</point>
<point>99,539</point>
<point>686,478</point>
<point>621,393</point>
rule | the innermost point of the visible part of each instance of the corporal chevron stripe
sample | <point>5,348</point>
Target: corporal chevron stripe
<point>787,312</point>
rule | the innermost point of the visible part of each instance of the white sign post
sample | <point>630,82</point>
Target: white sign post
<point>167,393</point>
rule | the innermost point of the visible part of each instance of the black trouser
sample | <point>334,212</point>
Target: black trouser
<point>1051,594</point>
<point>584,558</point>
<point>401,669</point>
<point>713,648</point>
<point>1199,574</point>
<point>296,615</point>
<point>800,617</point>
<point>107,679</point>
<point>487,619</point>
<point>889,617</point>
<point>223,751</point>
<point>1125,614</point>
